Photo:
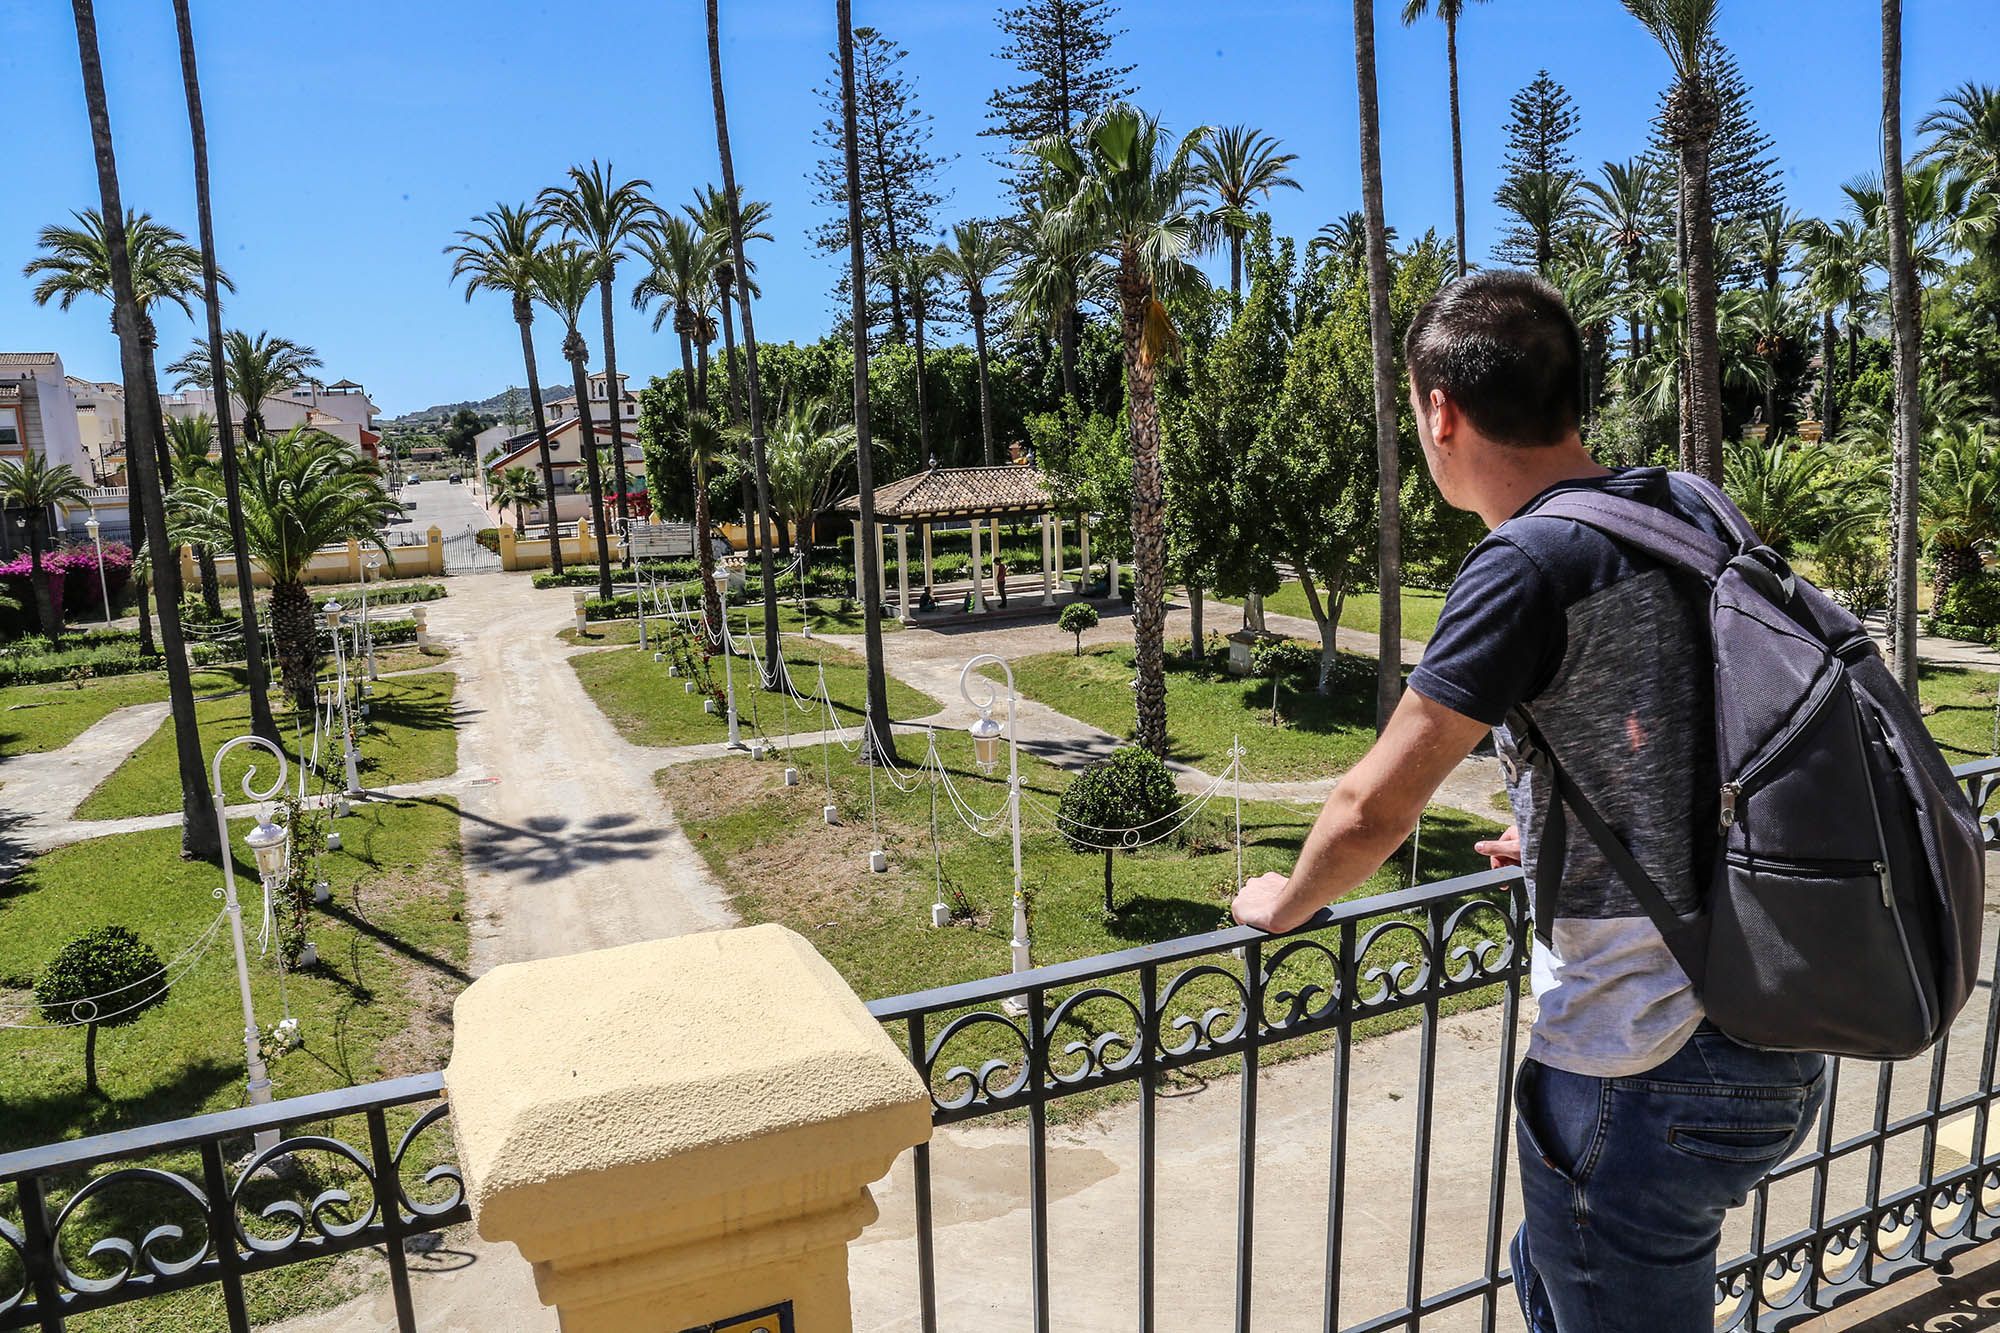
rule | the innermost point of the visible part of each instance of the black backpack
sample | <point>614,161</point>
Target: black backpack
<point>1844,909</point>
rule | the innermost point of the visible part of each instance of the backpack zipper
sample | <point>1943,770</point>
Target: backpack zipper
<point>1732,791</point>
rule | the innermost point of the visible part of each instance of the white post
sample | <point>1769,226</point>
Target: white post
<point>881,539</point>
<point>350,757</point>
<point>367,625</point>
<point>1056,522</point>
<point>927,558</point>
<point>728,668</point>
<point>1083,539</point>
<point>903,571</point>
<point>1049,577</point>
<point>1019,945</point>
<point>253,1046</point>
<point>860,588</point>
<point>1111,568</point>
<point>978,584</point>
<point>103,587</point>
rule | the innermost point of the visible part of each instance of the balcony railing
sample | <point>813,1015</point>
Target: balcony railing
<point>174,1210</point>
<point>142,1213</point>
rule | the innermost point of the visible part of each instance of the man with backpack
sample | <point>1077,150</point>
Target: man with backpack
<point>1755,876</point>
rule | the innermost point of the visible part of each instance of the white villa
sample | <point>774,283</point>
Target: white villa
<point>39,415</point>
<point>523,449</point>
<point>342,410</point>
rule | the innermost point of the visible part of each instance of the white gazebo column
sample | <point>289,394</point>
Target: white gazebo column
<point>881,539</point>
<point>1055,521</point>
<point>1111,568</point>
<point>860,588</point>
<point>902,571</point>
<point>1083,538</point>
<point>927,560</point>
<point>978,584</point>
<point>1048,573</point>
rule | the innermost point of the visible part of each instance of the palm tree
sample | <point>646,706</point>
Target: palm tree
<point>1586,274</point>
<point>1837,259</point>
<point>300,491</point>
<point>733,198</point>
<point>516,488</point>
<point>914,271</point>
<point>1904,318</point>
<point>1772,236</point>
<point>1965,134</point>
<point>1542,200</point>
<point>1057,270</point>
<point>1240,165</point>
<point>199,836</point>
<point>1450,11</point>
<point>1389,660</point>
<point>564,276</point>
<point>258,368</point>
<point>1135,195</point>
<point>1786,492</point>
<point>680,265</point>
<point>607,218</point>
<point>1775,325</point>
<point>1344,243</point>
<point>498,255</point>
<point>1623,207</point>
<point>190,440</point>
<point>809,458</point>
<point>1685,29</point>
<point>710,212</point>
<point>977,254</point>
<point>1958,504</point>
<point>256,675</point>
<point>35,486</point>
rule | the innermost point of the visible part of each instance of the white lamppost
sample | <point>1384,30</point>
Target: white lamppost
<point>351,757</point>
<point>267,843</point>
<point>986,735</point>
<point>103,587</point>
<point>368,626</point>
<point>728,657</point>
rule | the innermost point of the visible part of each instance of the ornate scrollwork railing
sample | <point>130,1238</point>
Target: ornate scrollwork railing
<point>1016,1043</point>
<point>142,1212</point>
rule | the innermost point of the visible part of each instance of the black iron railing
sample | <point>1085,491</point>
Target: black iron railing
<point>143,1212</point>
<point>1020,1044</point>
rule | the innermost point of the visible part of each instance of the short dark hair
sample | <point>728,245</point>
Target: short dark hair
<point>1502,345</point>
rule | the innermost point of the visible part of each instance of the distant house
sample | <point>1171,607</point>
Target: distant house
<point>38,415</point>
<point>523,449</point>
<point>100,424</point>
<point>342,410</point>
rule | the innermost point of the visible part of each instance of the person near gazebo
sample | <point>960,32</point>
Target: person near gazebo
<point>1000,581</point>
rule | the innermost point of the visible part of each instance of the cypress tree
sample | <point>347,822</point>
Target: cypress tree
<point>1063,47</point>
<point>899,194</point>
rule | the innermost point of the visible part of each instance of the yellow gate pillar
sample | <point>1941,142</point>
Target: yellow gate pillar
<point>666,1162</point>
<point>434,550</point>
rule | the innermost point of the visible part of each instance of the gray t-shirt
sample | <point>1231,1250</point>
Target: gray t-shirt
<point>1605,648</point>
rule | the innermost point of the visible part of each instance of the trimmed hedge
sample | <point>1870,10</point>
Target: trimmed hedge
<point>389,594</point>
<point>112,659</point>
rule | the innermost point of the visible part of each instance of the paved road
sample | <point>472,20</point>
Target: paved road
<point>451,508</point>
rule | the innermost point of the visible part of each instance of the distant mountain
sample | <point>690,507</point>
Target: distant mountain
<point>496,406</point>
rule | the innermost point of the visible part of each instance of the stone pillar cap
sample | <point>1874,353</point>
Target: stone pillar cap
<point>636,1079</point>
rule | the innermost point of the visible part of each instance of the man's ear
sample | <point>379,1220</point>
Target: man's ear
<point>1444,419</point>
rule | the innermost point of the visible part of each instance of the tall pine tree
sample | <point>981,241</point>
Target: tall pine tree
<point>1742,162</point>
<point>899,194</point>
<point>1063,47</point>
<point>1540,189</point>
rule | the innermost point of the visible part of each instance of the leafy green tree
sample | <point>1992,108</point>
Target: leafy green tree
<point>606,217</point>
<point>300,491</point>
<point>1135,193</point>
<point>35,486</point>
<point>1451,11</point>
<point>899,172</point>
<point>1128,794</point>
<point>498,255</point>
<point>103,978</point>
<point>1077,618</point>
<point>1063,50</point>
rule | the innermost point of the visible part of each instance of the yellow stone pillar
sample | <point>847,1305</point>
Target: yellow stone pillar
<point>434,550</point>
<point>666,1162</point>
<point>585,539</point>
<point>509,558</point>
<point>353,559</point>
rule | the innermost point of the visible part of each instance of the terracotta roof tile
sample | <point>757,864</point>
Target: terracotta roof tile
<point>954,492</point>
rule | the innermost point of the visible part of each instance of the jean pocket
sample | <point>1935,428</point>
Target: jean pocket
<point>1734,1143</point>
<point>1561,1124</point>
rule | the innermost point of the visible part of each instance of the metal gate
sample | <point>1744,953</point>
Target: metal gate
<point>464,555</point>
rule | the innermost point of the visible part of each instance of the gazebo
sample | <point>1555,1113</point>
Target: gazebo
<point>980,497</point>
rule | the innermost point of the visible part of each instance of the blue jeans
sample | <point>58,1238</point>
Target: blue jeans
<point>1625,1180</point>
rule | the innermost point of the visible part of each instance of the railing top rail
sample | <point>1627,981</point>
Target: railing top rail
<point>1170,951</point>
<point>78,1154</point>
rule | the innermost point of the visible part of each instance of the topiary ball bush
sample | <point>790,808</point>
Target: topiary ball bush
<point>103,978</point>
<point>1076,618</point>
<point>1126,798</point>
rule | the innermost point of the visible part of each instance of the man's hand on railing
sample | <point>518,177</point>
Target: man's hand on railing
<point>1261,903</point>
<point>1504,850</point>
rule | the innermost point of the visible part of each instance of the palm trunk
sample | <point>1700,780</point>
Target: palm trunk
<point>1149,534</point>
<point>256,674</point>
<point>1904,315</point>
<point>704,538</point>
<point>198,833</point>
<point>1389,578</point>
<point>1704,402</point>
<point>1235,272</point>
<point>1457,141</point>
<point>882,740</point>
<point>1829,342</point>
<point>923,398</point>
<point>1066,345</point>
<point>524,318</point>
<point>90,1087</point>
<point>211,588</point>
<point>763,509</point>
<point>295,629</point>
<point>45,605</point>
<point>1196,597</point>
<point>978,304</point>
<point>612,395</point>
<point>588,439</point>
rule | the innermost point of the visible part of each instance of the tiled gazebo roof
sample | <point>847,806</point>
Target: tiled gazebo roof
<point>958,492</point>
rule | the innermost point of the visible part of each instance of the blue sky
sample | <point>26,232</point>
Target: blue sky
<point>350,140</point>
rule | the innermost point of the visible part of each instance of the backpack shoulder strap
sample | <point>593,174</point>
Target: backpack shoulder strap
<point>1722,507</point>
<point>1659,534</point>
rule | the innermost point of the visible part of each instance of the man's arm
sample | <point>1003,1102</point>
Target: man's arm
<point>1367,815</point>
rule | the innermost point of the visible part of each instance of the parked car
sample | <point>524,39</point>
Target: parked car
<point>457,478</point>
<point>411,480</point>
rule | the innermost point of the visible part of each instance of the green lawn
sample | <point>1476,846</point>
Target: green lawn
<point>1316,736</point>
<point>38,718</point>
<point>831,615</point>
<point>408,737</point>
<point>649,707</point>
<point>392,945</point>
<point>769,847</point>
<point>1959,704</point>
<point>1363,610</point>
